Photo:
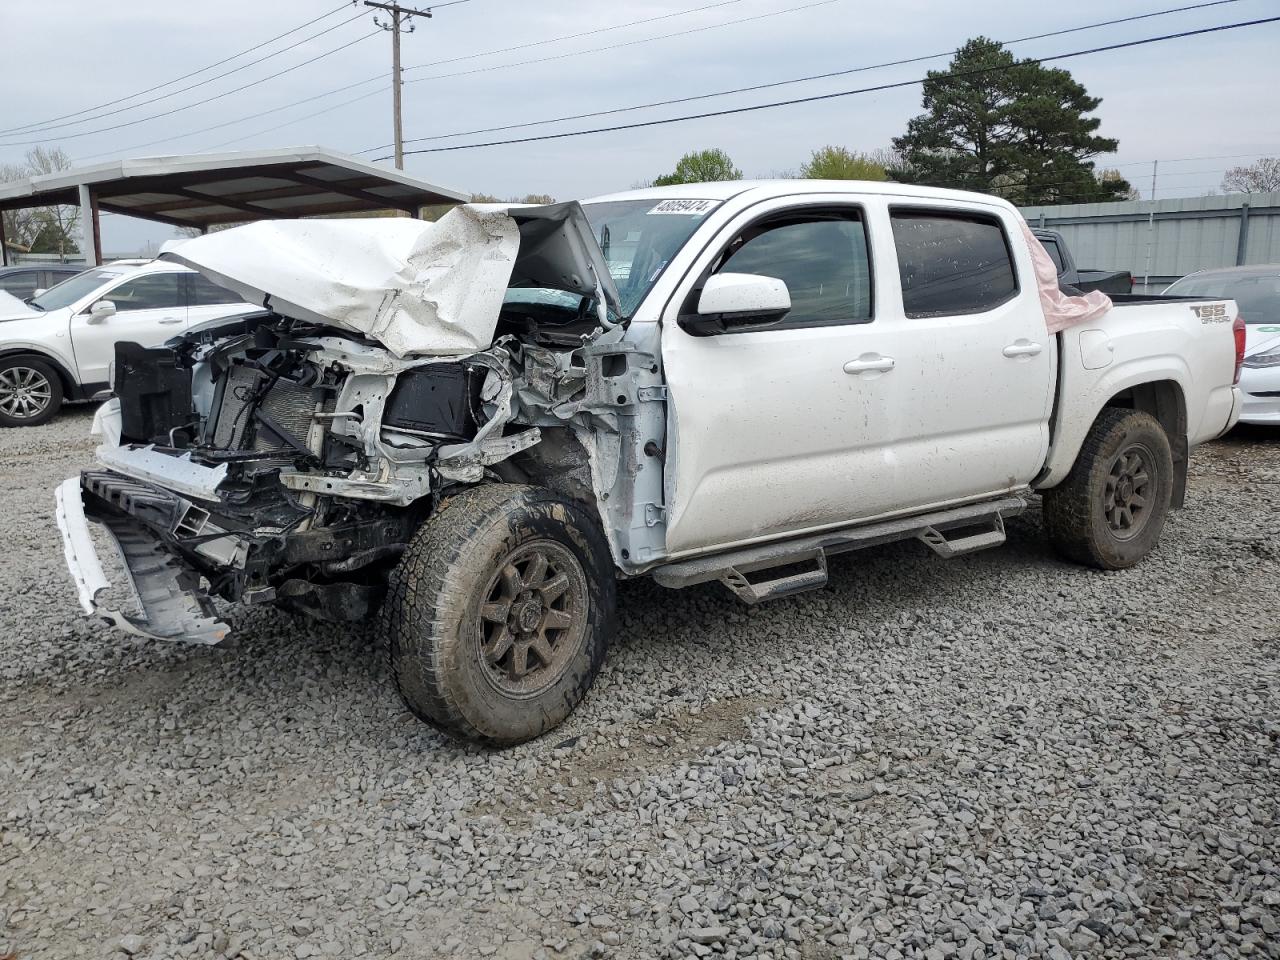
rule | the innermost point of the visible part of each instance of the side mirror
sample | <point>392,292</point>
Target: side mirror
<point>38,292</point>
<point>101,310</point>
<point>731,300</point>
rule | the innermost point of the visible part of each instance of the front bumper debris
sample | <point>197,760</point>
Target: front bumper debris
<point>168,592</point>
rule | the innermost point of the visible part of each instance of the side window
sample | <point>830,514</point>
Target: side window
<point>1051,248</point>
<point>822,258</point>
<point>204,292</point>
<point>951,263</point>
<point>154,292</point>
<point>21,283</point>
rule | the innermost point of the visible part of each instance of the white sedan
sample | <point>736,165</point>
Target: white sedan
<point>1256,290</point>
<point>60,344</point>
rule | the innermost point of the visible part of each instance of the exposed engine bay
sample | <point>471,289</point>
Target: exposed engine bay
<point>276,459</point>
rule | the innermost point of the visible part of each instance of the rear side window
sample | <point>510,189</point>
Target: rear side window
<point>952,263</point>
<point>156,291</point>
<point>21,283</point>
<point>822,259</point>
<point>204,292</point>
<point>1051,248</point>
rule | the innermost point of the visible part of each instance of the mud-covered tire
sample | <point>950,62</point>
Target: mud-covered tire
<point>1125,459</point>
<point>444,617</point>
<point>30,392</point>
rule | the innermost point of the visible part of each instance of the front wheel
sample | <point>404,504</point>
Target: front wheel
<point>1110,509</point>
<point>498,614</point>
<point>30,392</point>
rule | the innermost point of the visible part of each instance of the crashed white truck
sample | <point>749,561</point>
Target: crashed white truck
<point>467,431</point>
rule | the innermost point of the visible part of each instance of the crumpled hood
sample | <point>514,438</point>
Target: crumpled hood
<point>414,286</point>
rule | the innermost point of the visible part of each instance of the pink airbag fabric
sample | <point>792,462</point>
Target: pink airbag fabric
<point>1060,310</point>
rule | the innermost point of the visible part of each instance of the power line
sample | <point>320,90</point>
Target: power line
<point>40,126</point>
<point>185,76</point>
<point>278,126</point>
<point>380,77</point>
<point>795,80</point>
<point>1229,156</point>
<point>840,93</point>
<point>626,43</point>
<point>254,116</point>
<point>574,36</point>
<point>210,99</point>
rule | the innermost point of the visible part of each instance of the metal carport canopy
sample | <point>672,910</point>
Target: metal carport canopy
<point>201,190</point>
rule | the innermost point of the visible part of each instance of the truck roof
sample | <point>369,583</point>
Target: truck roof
<point>767,189</point>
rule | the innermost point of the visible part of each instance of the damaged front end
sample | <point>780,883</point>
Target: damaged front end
<point>279,459</point>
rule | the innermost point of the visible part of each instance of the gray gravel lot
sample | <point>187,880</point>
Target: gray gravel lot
<point>998,756</point>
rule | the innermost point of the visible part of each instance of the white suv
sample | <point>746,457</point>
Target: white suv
<point>59,345</point>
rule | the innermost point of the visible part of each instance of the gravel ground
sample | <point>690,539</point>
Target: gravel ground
<point>998,756</point>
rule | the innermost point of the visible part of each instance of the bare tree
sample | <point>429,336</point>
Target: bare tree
<point>1260,177</point>
<point>47,229</point>
<point>20,226</point>
<point>1122,186</point>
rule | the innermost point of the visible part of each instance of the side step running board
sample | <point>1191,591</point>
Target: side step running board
<point>989,533</point>
<point>813,574</point>
<point>793,566</point>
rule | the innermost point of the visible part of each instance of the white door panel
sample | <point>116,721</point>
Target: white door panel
<point>779,431</point>
<point>95,344</point>
<point>771,435</point>
<point>150,309</point>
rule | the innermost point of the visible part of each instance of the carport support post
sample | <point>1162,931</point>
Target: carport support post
<point>4,244</point>
<point>89,227</point>
<point>1242,242</point>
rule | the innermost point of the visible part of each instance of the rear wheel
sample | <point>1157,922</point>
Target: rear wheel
<point>30,392</point>
<point>1110,510</point>
<point>498,615</point>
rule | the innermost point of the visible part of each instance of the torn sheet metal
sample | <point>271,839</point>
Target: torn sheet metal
<point>415,287</point>
<point>418,288</point>
<point>172,607</point>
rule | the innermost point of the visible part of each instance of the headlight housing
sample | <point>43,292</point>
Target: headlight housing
<point>1269,359</point>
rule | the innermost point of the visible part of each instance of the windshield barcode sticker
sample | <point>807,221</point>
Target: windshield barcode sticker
<point>686,208</point>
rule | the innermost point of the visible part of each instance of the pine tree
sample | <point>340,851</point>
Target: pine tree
<point>1006,126</point>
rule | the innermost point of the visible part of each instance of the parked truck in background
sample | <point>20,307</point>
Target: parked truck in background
<point>1071,277</point>
<point>711,382</point>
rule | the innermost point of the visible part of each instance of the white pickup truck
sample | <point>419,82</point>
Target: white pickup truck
<point>470,429</point>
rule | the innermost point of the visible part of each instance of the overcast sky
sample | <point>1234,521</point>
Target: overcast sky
<point>1210,95</point>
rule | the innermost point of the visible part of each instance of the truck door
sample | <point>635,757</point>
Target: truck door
<point>150,309</point>
<point>910,374</point>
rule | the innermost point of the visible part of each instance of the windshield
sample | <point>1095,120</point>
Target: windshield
<point>1258,297</point>
<point>639,237</point>
<point>78,287</point>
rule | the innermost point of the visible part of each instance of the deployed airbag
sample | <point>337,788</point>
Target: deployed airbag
<point>1061,310</point>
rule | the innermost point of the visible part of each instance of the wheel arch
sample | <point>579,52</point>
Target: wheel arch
<point>70,386</point>
<point>1157,385</point>
<point>1166,401</point>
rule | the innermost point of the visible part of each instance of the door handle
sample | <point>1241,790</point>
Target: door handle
<point>1022,348</point>
<point>170,320</point>
<point>870,363</point>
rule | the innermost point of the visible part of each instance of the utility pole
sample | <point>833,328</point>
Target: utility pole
<point>1151,226</point>
<point>399,15</point>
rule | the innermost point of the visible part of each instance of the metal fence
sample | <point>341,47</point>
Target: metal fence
<point>1170,238</point>
<point>30,258</point>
